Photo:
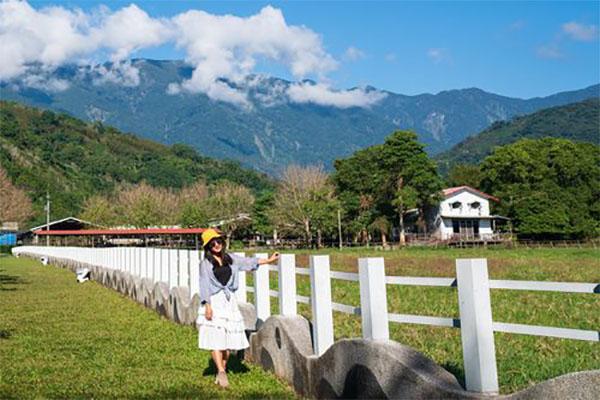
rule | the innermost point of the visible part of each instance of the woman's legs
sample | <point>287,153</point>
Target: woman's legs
<point>225,357</point>
<point>217,356</point>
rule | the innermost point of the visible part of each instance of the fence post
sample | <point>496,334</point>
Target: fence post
<point>242,293</point>
<point>373,298</point>
<point>194,273</point>
<point>262,298</point>
<point>138,261</point>
<point>129,260</point>
<point>184,267</point>
<point>287,284</point>
<point>151,264</point>
<point>144,263</point>
<point>320,300</point>
<point>477,333</point>
<point>164,266</point>
<point>173,267</point>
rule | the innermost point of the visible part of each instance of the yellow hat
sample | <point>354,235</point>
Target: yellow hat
<point>208,235</point>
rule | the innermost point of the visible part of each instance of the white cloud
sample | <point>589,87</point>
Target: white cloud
<point>390,57</point>
<point>549,51</point>
<point>129,29</point>
<point>323,95</point>
<point>353,54</point>
<point>120,73</point>
<point>222,49</point>
<point>50,36</point>
<point>229,47</point>
<point>45,83</point>
<point>438,55</point>
<point>580,32</point>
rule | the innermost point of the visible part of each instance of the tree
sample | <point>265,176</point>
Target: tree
<point>228,202</point>
<point>193,202</point>
<point>382,226</point>
<point>365,215</point>
<point>15,206</point>
<point>404,157</point>
<point>100,210</point>
<point>262,206</point>
<point>550,188</point>
<point>143,205</point>
<point>405,199</point>
<point>376,171</point>
<point>305,203</point>
<point>465,174</point>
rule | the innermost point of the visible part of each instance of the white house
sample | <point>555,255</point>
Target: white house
<point>464,214</point>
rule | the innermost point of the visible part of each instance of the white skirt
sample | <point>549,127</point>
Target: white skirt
<point>225,331</point>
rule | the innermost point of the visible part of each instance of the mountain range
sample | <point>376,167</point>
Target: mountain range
<point>275,131</point>
<point>579,122</point>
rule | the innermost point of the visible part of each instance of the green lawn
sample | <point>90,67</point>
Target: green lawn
<point>522,359</point>
<point>60,339</point>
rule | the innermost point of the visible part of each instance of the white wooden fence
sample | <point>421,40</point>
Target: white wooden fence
<point>180,268</point>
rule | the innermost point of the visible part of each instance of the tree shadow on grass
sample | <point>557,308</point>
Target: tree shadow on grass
<point>6,279</point>
<point>234,365</point>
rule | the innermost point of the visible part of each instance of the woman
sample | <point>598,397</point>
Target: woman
<point>220,323</point>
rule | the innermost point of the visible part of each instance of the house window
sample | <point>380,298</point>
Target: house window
<point>455,226</point>
<point>456,204</point>
<point>475,204</point>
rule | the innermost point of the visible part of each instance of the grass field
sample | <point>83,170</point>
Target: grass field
<point>60,339</point>
<point>522,360</point>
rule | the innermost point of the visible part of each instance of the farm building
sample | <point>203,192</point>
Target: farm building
<point>464,214</point>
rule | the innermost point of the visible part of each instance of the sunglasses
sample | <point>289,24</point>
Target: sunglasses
<point>214,242</point>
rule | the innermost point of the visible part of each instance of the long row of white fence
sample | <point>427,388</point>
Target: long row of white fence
<point>180,268</point>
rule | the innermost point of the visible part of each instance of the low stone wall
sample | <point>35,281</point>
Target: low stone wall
<point>351,368</point>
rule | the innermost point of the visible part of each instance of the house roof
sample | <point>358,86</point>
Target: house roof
<point>79,222</point>
<point>455,190</point>
<point>148,231</point>
<point>498,217</point>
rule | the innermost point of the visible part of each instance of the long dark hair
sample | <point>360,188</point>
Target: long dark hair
<point>208,254</point>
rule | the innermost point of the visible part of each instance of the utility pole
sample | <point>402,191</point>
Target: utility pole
<point>340,227</point>
<point>47,217</point>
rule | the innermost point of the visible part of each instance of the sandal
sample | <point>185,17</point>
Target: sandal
<point>221,379</point>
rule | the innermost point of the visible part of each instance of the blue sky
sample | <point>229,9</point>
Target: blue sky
<point>518,49</point>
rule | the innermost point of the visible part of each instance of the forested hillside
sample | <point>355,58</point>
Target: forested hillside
<point>579,122</point>
<point>73,160</point>
<point>274,131</point>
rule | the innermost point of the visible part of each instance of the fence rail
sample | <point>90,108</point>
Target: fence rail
<point>180,268</point>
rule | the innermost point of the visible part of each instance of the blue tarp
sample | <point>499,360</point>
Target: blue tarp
<point>8,239</point>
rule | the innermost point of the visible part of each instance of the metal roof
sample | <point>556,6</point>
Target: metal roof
<point>63,220</point>
<point>150,231</point>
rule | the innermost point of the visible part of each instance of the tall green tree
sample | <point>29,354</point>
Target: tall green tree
<point>377,170</point>
<point>550,188</point>
<point>464,174</point>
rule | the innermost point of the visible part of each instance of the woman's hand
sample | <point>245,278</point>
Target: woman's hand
<point>208,313</point>
<point>274,257</point>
